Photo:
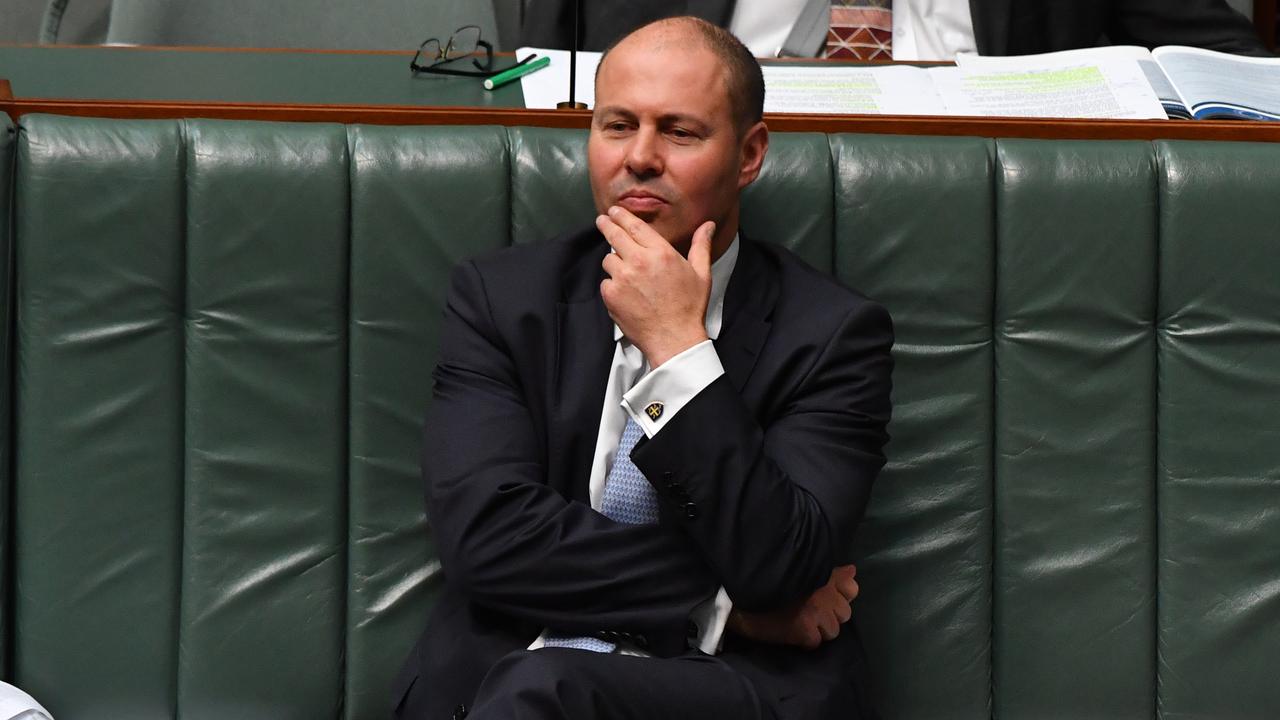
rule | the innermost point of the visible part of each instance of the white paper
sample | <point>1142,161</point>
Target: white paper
<point>17,705</point>
<point>1082,55</point>
<point>550,85</point>
<point>850,90</point>
<point>1151,69</point>
<point>1059,85</point>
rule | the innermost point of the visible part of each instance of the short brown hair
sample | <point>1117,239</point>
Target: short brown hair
<point>746,80</point>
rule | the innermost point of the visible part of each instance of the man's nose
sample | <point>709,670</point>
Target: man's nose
<point>644,155</point>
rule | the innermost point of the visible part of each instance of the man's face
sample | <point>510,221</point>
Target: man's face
<point>663,143</point>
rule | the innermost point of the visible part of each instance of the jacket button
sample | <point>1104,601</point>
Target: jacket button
<point>691,630</point>
<point>690,511</point>
<point>460,712</point>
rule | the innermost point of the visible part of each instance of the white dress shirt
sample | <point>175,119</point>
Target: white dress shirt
<point>631,387</point>
<point>922,29</point>
<point>932,29</point>
<point>763,25</point>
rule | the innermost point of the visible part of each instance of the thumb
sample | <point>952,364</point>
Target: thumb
<point>700,250</point>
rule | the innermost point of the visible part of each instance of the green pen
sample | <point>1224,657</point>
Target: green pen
<point>516,72</point>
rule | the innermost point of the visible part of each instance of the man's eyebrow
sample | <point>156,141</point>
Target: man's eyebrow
<point>682,119</point>
<point>614,110</point>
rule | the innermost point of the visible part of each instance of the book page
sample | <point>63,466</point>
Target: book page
<point>851,90</point>
<point>1220,85</point>
<point>550,85</point>
<point>1049,87</point>
<point>1174,105</point>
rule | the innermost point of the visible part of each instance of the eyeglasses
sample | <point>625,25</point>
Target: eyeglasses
<point>463,42</point>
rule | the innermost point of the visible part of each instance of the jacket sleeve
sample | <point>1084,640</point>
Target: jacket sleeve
<point>510,541</point>
<point>1210,24</point>
<point>773,508</point>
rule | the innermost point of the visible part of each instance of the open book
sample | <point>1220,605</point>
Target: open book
<point>1190,82</point>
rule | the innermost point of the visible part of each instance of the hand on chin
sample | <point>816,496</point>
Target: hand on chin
<point>656,296</point>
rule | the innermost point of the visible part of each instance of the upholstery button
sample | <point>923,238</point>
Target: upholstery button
<point>691,511</point>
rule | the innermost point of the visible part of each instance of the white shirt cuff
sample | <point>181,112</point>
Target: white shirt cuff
<point>710,618</point>
<point>672,386</point>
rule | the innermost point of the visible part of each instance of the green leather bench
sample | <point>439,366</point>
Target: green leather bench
<point>220,344</point>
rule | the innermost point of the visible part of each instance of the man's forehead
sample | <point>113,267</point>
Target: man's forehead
<point>667,44</point>
<point>675,65</point>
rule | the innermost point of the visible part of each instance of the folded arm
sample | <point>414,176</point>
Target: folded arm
<point>773,509</point>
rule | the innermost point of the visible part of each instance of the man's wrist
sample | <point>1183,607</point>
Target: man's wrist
<point>667,350</point>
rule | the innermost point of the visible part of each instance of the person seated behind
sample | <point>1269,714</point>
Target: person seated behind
<point>923,29</point>
<point>651,440</point>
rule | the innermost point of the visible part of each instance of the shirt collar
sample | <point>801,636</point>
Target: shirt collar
<point>721,270</point>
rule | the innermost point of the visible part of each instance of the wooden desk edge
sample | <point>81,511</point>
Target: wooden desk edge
<point>1065,129</point>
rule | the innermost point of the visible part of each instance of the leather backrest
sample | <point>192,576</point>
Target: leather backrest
<point>225,333</point>
<point>8,137</point>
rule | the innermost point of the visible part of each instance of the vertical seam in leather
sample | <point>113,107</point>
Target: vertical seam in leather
<point>343,704</point>
<point>994,168</point>
<point>834,236</point>
<point>184,320</point>
<point>511,188</point>
<point>1159,181</point>
<point>9,233</point>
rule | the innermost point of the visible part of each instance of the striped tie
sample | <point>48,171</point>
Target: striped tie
<point>628,498</point>
<point>861,30</point>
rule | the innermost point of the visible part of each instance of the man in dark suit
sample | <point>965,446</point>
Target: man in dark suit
<point>1000,27</point>
<point>652,438</point>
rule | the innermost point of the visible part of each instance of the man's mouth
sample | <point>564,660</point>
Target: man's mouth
<point>640,201</point>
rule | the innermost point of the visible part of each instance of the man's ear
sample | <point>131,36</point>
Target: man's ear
<point>755,143</point>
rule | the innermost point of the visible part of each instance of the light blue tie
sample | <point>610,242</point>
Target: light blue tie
<point>628,498</point>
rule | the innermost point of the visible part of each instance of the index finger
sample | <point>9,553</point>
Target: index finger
<point>638,229</point>
<point>618,238</point>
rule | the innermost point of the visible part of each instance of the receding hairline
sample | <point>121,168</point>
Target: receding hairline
<point>663,31</point>
<point>744,93</point>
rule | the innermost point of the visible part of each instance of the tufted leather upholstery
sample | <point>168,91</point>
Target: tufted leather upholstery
<point>223,339</point>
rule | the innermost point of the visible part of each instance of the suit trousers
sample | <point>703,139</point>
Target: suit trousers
<point>563,683</point>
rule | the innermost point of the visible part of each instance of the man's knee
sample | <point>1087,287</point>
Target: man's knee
<point>534,684</point>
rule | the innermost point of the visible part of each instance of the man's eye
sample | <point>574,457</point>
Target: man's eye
<point>680,134</point>
<point>616,127</point>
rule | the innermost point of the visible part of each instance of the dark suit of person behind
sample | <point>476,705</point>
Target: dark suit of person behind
<point>1001,27</point>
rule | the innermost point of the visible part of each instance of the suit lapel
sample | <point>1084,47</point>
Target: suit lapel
<point>991,20</point>
<point>748,305</point>
<point>584,348</point>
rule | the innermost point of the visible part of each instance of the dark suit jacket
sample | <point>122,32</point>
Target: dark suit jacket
<point>1001,27</point>
<point>762,478</point>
